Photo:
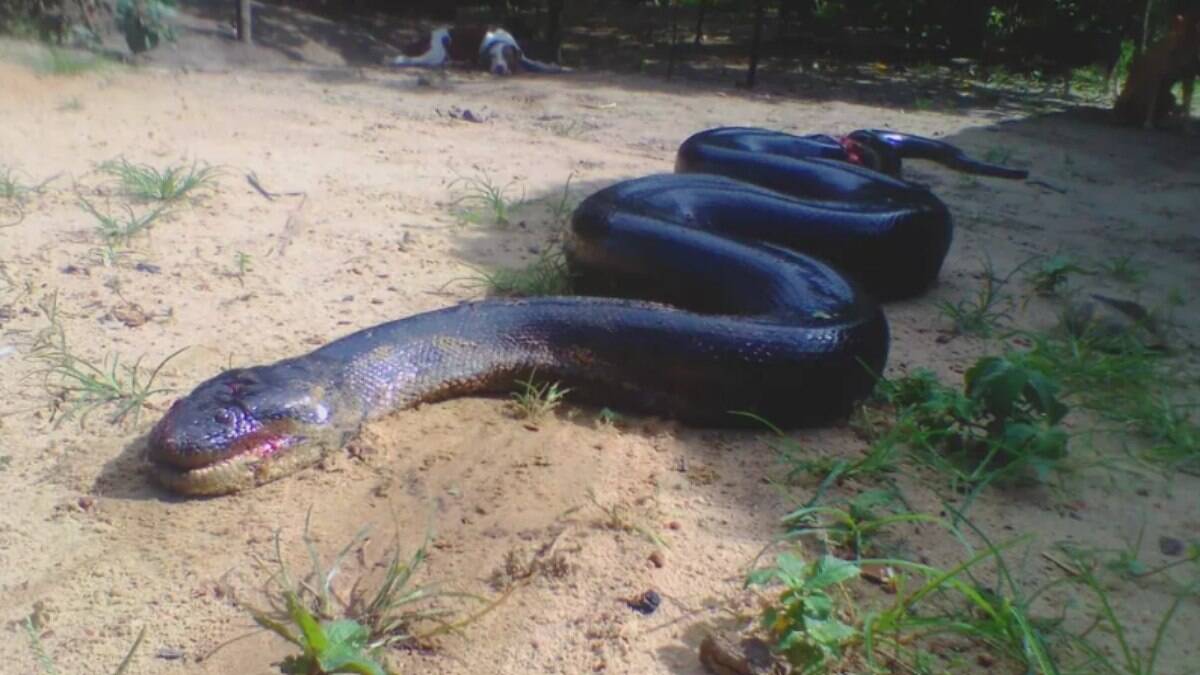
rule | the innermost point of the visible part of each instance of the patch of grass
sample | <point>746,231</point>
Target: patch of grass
<point>561,210</point>
<point>168,185</point>
<point>79,386</point>
<point>1003,424</point>
<point>998,154</point>
<point>534,401</point>
<point>1050,274</point>
<point>120,230</point>
<point>72,104</point>
<point>13,191</point>
<point>851,529</point>
<point>571,128</point>
<point>241,263</point>
<point>621,517</point>
<point>1127,658</point>
<point>349,630</point>
<point>481,198</point>
<point>982,313</point>
<point>67,62</point>
<point>1125,383</point>
<point>803,624</point>
<point>816,626</point>
<point>547,275</point>
<point>11,187</point>
<point>1124,268</point>
<point>111,254</point>
<point>879,463</point>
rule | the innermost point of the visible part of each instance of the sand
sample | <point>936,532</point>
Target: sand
<point>367,232</point>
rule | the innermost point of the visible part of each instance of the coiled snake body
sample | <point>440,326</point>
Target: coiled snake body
<point>747,280</point>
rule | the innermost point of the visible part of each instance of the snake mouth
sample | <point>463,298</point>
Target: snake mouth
<point>249,461</point>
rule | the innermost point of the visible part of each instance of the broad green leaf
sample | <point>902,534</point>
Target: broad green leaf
<point>346,658</point>
<point>314,636</point>
<point>831,570</point>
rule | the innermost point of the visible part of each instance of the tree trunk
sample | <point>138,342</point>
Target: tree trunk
<point>674,38</point>
<point>700,22</point>
<point>244,33</point>
<point>1146,26</point>
<point>554,12</point>
<point>760,11</point>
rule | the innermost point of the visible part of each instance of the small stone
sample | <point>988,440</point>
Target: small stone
<point>1113,323</point>
<point>131,314</point>
<point>646,603</point>
<point>657,559</point>
<point>1171,546</point>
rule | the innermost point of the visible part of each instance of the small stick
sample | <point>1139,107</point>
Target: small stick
<point>1046,185</point>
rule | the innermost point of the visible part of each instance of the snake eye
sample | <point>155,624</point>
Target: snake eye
<point>223,417</point>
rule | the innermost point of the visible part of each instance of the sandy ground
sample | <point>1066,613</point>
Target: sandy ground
<point>97,552</point>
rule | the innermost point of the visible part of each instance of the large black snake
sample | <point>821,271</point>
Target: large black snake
<point>769,248</point>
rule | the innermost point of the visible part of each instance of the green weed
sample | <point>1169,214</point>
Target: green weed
<point>168,185</point>
<point>482,198</point>
<point>816,630</point>
<point>851,529</point>
<point>11,187</point>
<point>1128,384</point>
<point>79,386</point>
<point>121,230</point>
<point>879,462</point>
<point>803,622</point>
<point>1129,659</point>
<point>622,517</point>
<point>998,154</point>
<point>67,62</point>
<point>348,631</point>
<point>1052,273</point>
<point>548,275</point>
<point>534,401</point>
<point>1003,423</point>
<point>982,313</point>
<point>561,210</point>
<point>241,263</point>
<point>1124,268</point>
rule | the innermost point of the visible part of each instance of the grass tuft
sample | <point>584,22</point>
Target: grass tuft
<point>66,62</point>
<point>79,386</point>
<point>534,401</point>
<point>349,629</point>
<point>119,231</point>
<point>548,275</point>
<point>171,184</point>
<point>481,198</point>
<point>1125,269</point>
<point>982,313</point>
<point>1051,274</point>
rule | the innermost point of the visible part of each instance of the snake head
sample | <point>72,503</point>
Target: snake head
<point>240,429</point>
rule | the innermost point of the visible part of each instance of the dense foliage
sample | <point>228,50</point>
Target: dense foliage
<point>1032,33</point>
